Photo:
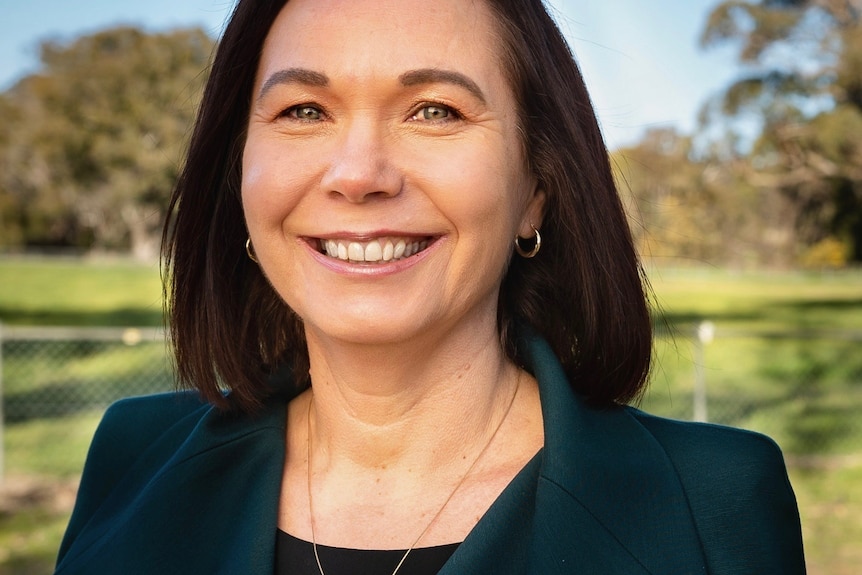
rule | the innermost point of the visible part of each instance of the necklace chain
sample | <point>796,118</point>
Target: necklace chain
<point>442,507</point>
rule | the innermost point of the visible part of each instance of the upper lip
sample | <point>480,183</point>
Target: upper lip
<point>369,236</point>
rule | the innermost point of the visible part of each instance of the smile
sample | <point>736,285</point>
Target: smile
<point>378,250</point>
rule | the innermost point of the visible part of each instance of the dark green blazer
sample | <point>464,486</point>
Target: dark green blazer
<point>171,486</point>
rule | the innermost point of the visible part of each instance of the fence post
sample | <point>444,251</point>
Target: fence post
<point>705,334</point>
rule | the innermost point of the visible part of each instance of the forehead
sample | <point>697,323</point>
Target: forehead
<point>362,36</point>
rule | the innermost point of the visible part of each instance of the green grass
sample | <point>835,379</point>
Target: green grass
<point>763,301</point>
<point>29,539</point>
<point>805,392</point>
<point>42,455</point>
<point>830,503</point>
<point>785,359</point>
<point>80,293</point>
<point>50,447</point>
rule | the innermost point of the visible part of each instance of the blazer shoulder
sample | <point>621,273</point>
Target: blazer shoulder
<point>160,410</point>
<point>130,425</point>
<point>707,444</point>
<point>738,490</point>
<point>127,429</point>
<point>170,468</point>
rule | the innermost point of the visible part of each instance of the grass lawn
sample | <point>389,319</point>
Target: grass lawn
<point>804,391</point>
<point>830,504</point>
<point>33,517</point>
<point>760,301</point>
<point>65,292</point>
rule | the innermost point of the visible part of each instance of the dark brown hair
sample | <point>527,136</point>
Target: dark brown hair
<point>584,292</point>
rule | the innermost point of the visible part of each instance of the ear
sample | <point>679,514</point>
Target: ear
<point>534,213</point>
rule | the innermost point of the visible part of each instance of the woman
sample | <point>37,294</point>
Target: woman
<point>402,284</point>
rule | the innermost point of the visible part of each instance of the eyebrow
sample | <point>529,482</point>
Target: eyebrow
<point>411,78</point>
<point>293,76</point>
<point>435,75</point>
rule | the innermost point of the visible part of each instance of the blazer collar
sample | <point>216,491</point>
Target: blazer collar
<point>615,472</point>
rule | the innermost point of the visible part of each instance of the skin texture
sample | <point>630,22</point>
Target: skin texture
<point>386,119</point>
<point>370,164</point>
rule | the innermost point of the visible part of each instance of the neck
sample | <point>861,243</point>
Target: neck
<point>403,406</point>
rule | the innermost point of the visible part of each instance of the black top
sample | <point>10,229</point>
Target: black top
<point>296,557</point>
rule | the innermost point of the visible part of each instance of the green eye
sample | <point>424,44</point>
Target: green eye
<point>305,113</point>
<point>435,113</point>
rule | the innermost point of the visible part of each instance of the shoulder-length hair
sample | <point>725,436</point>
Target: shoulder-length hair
<point>584,292</point>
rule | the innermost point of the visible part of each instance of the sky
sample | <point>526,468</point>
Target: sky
<point>640,58</point>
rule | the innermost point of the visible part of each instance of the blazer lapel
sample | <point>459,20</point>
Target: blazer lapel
<point>608,496</point>
<point>500,543</point>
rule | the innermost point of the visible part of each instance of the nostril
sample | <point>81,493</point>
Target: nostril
<point>360,197</point>
<point>360,180</point>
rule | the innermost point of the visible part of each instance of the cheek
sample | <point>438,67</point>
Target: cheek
<point>487,191</point>
<point>253,184</point>
<point>268,191</point>
<point>253,175</point>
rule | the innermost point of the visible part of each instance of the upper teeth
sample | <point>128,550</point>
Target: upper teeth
<point>380,249</point>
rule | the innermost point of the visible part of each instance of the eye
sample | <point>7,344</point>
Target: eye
<point>304,112</point>
<point>434,112</point>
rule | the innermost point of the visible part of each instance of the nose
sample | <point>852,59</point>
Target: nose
<point>360,168</point>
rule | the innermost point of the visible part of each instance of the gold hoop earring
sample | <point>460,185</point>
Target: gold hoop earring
<point>249,250</point>
<point>537,245</point>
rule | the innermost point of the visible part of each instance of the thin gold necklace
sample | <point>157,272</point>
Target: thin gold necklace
<point>439,511</point>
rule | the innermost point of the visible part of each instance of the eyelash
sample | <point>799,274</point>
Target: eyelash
<point>292,112</point>
<point>452,114</point>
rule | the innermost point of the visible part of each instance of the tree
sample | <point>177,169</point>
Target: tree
<point>692,206</point>
<point>803,92</point>
<point>90,145</point>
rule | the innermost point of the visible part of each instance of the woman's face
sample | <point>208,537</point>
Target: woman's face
<point>383,174</point>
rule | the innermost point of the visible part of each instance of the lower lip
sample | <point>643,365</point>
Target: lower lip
<point>372,270</point>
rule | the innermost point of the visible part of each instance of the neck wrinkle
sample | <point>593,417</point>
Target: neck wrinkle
<point>416,414</point>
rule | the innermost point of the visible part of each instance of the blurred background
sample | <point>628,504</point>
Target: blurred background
<point>735,129</point>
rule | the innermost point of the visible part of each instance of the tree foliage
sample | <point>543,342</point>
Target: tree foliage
<point>803,91</point>
<point>691,207</point>
<point>90,145</point>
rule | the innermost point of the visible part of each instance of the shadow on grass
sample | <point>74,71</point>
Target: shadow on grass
<point>61,378</point>
<point>71,396</point>
<point>122,317</point>
<point>803,378</point>
<point>823,395</point>
<point>679,322</point>
<point>833,305</point>
<point>790,314</point>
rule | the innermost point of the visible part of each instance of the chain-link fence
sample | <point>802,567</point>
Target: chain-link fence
<point>802,388</point>
<point>56,382</point>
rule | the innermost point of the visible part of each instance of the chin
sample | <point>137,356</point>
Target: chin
<point>362,324</point>
<point>367,333</point>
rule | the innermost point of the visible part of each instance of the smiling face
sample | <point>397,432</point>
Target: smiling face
<point>383,172</point>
